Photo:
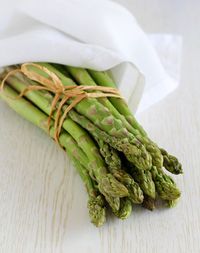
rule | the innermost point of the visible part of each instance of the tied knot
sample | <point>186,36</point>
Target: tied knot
<point>47,80</point>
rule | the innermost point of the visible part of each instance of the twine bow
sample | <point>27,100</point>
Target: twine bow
<point>62,93</point>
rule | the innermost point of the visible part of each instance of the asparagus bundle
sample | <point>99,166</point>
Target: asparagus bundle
<point>117,161</point>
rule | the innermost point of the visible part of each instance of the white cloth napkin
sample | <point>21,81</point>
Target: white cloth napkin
<point>97,34</point>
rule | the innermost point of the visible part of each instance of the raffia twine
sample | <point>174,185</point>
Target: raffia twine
<point>61,93</point>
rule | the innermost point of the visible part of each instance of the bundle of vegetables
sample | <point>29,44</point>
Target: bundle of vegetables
<point>117,161</point>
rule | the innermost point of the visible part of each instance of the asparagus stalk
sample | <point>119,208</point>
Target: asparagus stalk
<point>96,203</point>
<point>125,209</point>
<point>99,115</point>
<point>90,107</point>
<point>110,155</point>
<point>35,116</point>
<point>102,78</point>
<point>138,131</point>
<point>145,181</point>
<point>133,149</point>
<point>143,177</point>
<point>171,163</point>
<point>122,208</point>
<point>114,202</point>
<point>134,189</point>
<point>114,165</point>
<point>24,108</point>
<point>141,158</point>
<point>144,157</point>
<point>97,166</point>
<point>32,114</point>
<point>83,78</point>
<point>72,148</point>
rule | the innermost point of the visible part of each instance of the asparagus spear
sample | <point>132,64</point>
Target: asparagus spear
<point>83,78</point>
<point>96,203</point>
<point>155,179</point>
<point>90,164</point>
<point>171,163</point>
<point>102,78</point>
<point>133,149</point>
<point>143,177</point>
<point>97,165</point>
<point>72,148</point>
<point>119,207</point>
<point>148,203</point>
<point>125,209</point>
<point>100,114</point>
<point>122,208</point>
<point>90,107</point>
<point>145,181</point>
<point>165,186</point>
<point>114,202</point>
<point>110,155</point>
<point>134,189</point>
<point>141,158</point>
<point>32,114</point>
<point>114,165</point>
<point>89,81</point>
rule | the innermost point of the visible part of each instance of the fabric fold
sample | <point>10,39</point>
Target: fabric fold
<point>96,34</point>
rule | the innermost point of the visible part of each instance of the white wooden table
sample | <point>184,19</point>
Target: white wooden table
<point>42,200</point>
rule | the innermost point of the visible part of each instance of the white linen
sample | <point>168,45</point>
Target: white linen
<point>97,34</point>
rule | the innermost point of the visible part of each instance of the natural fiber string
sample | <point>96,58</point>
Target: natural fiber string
<point>54,85</point>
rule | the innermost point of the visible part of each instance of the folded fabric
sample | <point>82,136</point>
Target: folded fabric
<point>96,34</point>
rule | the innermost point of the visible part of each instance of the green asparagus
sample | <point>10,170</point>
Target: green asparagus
<point>171,163</point>
<point>165,186</point>
<point>125,209</point>
<point>116,160</point>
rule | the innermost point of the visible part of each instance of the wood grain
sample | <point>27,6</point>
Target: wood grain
<point>42,200</point>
